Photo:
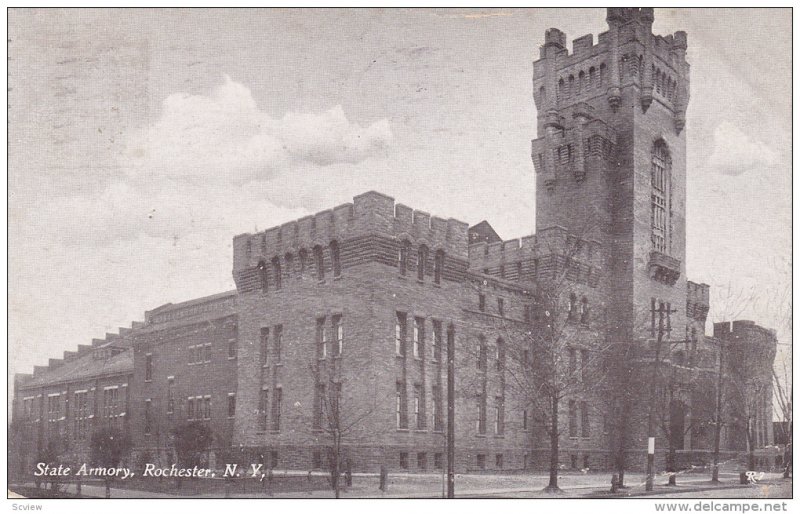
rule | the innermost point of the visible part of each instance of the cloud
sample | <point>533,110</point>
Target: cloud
<point>225,137</point>
<point>735,152</point>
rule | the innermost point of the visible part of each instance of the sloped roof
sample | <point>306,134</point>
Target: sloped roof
<point>84,367</point>
<point>483,232</point>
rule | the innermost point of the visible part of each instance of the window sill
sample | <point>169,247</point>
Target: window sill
<point>402,430</point>
<point>483,436</point>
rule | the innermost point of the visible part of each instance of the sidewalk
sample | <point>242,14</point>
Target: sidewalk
<point>430,486</point>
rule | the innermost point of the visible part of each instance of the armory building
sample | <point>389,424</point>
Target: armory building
<point>351,311</point>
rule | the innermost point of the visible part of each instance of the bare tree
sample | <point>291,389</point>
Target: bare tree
<point>337,416</point>
<point>552,363</point>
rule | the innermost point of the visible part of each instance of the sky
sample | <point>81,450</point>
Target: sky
<point>141,141</point>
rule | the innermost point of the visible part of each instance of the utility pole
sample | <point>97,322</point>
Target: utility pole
<point>651,440</point>
<point>718,414</point>
<point>451,393</point>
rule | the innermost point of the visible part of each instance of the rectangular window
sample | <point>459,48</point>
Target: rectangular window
<point>419,337</point>
<point>273,459</point>
<point>584,365</point>
<point>317,459</point>
<point>498,461</point>
<point>499,414</point>
<point>403,460</point>
<point>419,407</point>
<point>481,461</point>
<point>207,352</point>
<point>232,348</point>
<point>437,407</point>
<point>524,420</point>
<point>277,343</point>
<point>80,412</point>
<point>148,367</point>
<point>276,271</point>
<point>322,339</point>
<point>207,407</point>
<point>500,361</point>
<point>170,395</point>
<point>264,346</point>
<point>402,406</point>
<point>437,340</point>
<point>501,311</point>
<point>482,302</point>
<point>422,460</point>
<point>319,405</point>
<point>231,405</point>
<point>482,413</point>
<point>147,417</point>
<point>190,408</point>
<point>277,401</point>
<point>263,404</point>
<point>400,334</point>
<point>482,354</point>
<point>338,334</point>
<point>573,419</point>
<point>585,427</point>
<point>438,461</point>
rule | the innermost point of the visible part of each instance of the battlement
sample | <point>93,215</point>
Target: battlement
<point>697,301</point>
<point>526,258</point>
<point>627,54</point>
<point>370,214</point>
<point>744,330</point>
<point>575,145</point>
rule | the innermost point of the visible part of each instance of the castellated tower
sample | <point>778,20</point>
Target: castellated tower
<point>610,161</point>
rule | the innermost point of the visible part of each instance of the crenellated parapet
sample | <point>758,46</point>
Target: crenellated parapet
<point>697,301</point>
<point>573,146</point>
<point>371,229</point>
<point>628,54</point>
<point>540,256</point>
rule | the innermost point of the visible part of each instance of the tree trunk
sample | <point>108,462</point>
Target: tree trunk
<point>553,484</point>
<point>671,463</point>
<point>336,451</point>
<point>751,457</point>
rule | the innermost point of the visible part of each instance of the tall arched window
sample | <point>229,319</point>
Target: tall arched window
<point>422,261</point>
<point>602,73</point>
<point>592,77</point>
<point>276,271</point>
<point>335,260</point>
<point>303,254</point>
<point>438,266</point>
<point>660,208</point>
<point>289,259</point>
<point>405,249</point>
<point>263,281</point>
<point>319,260</point>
